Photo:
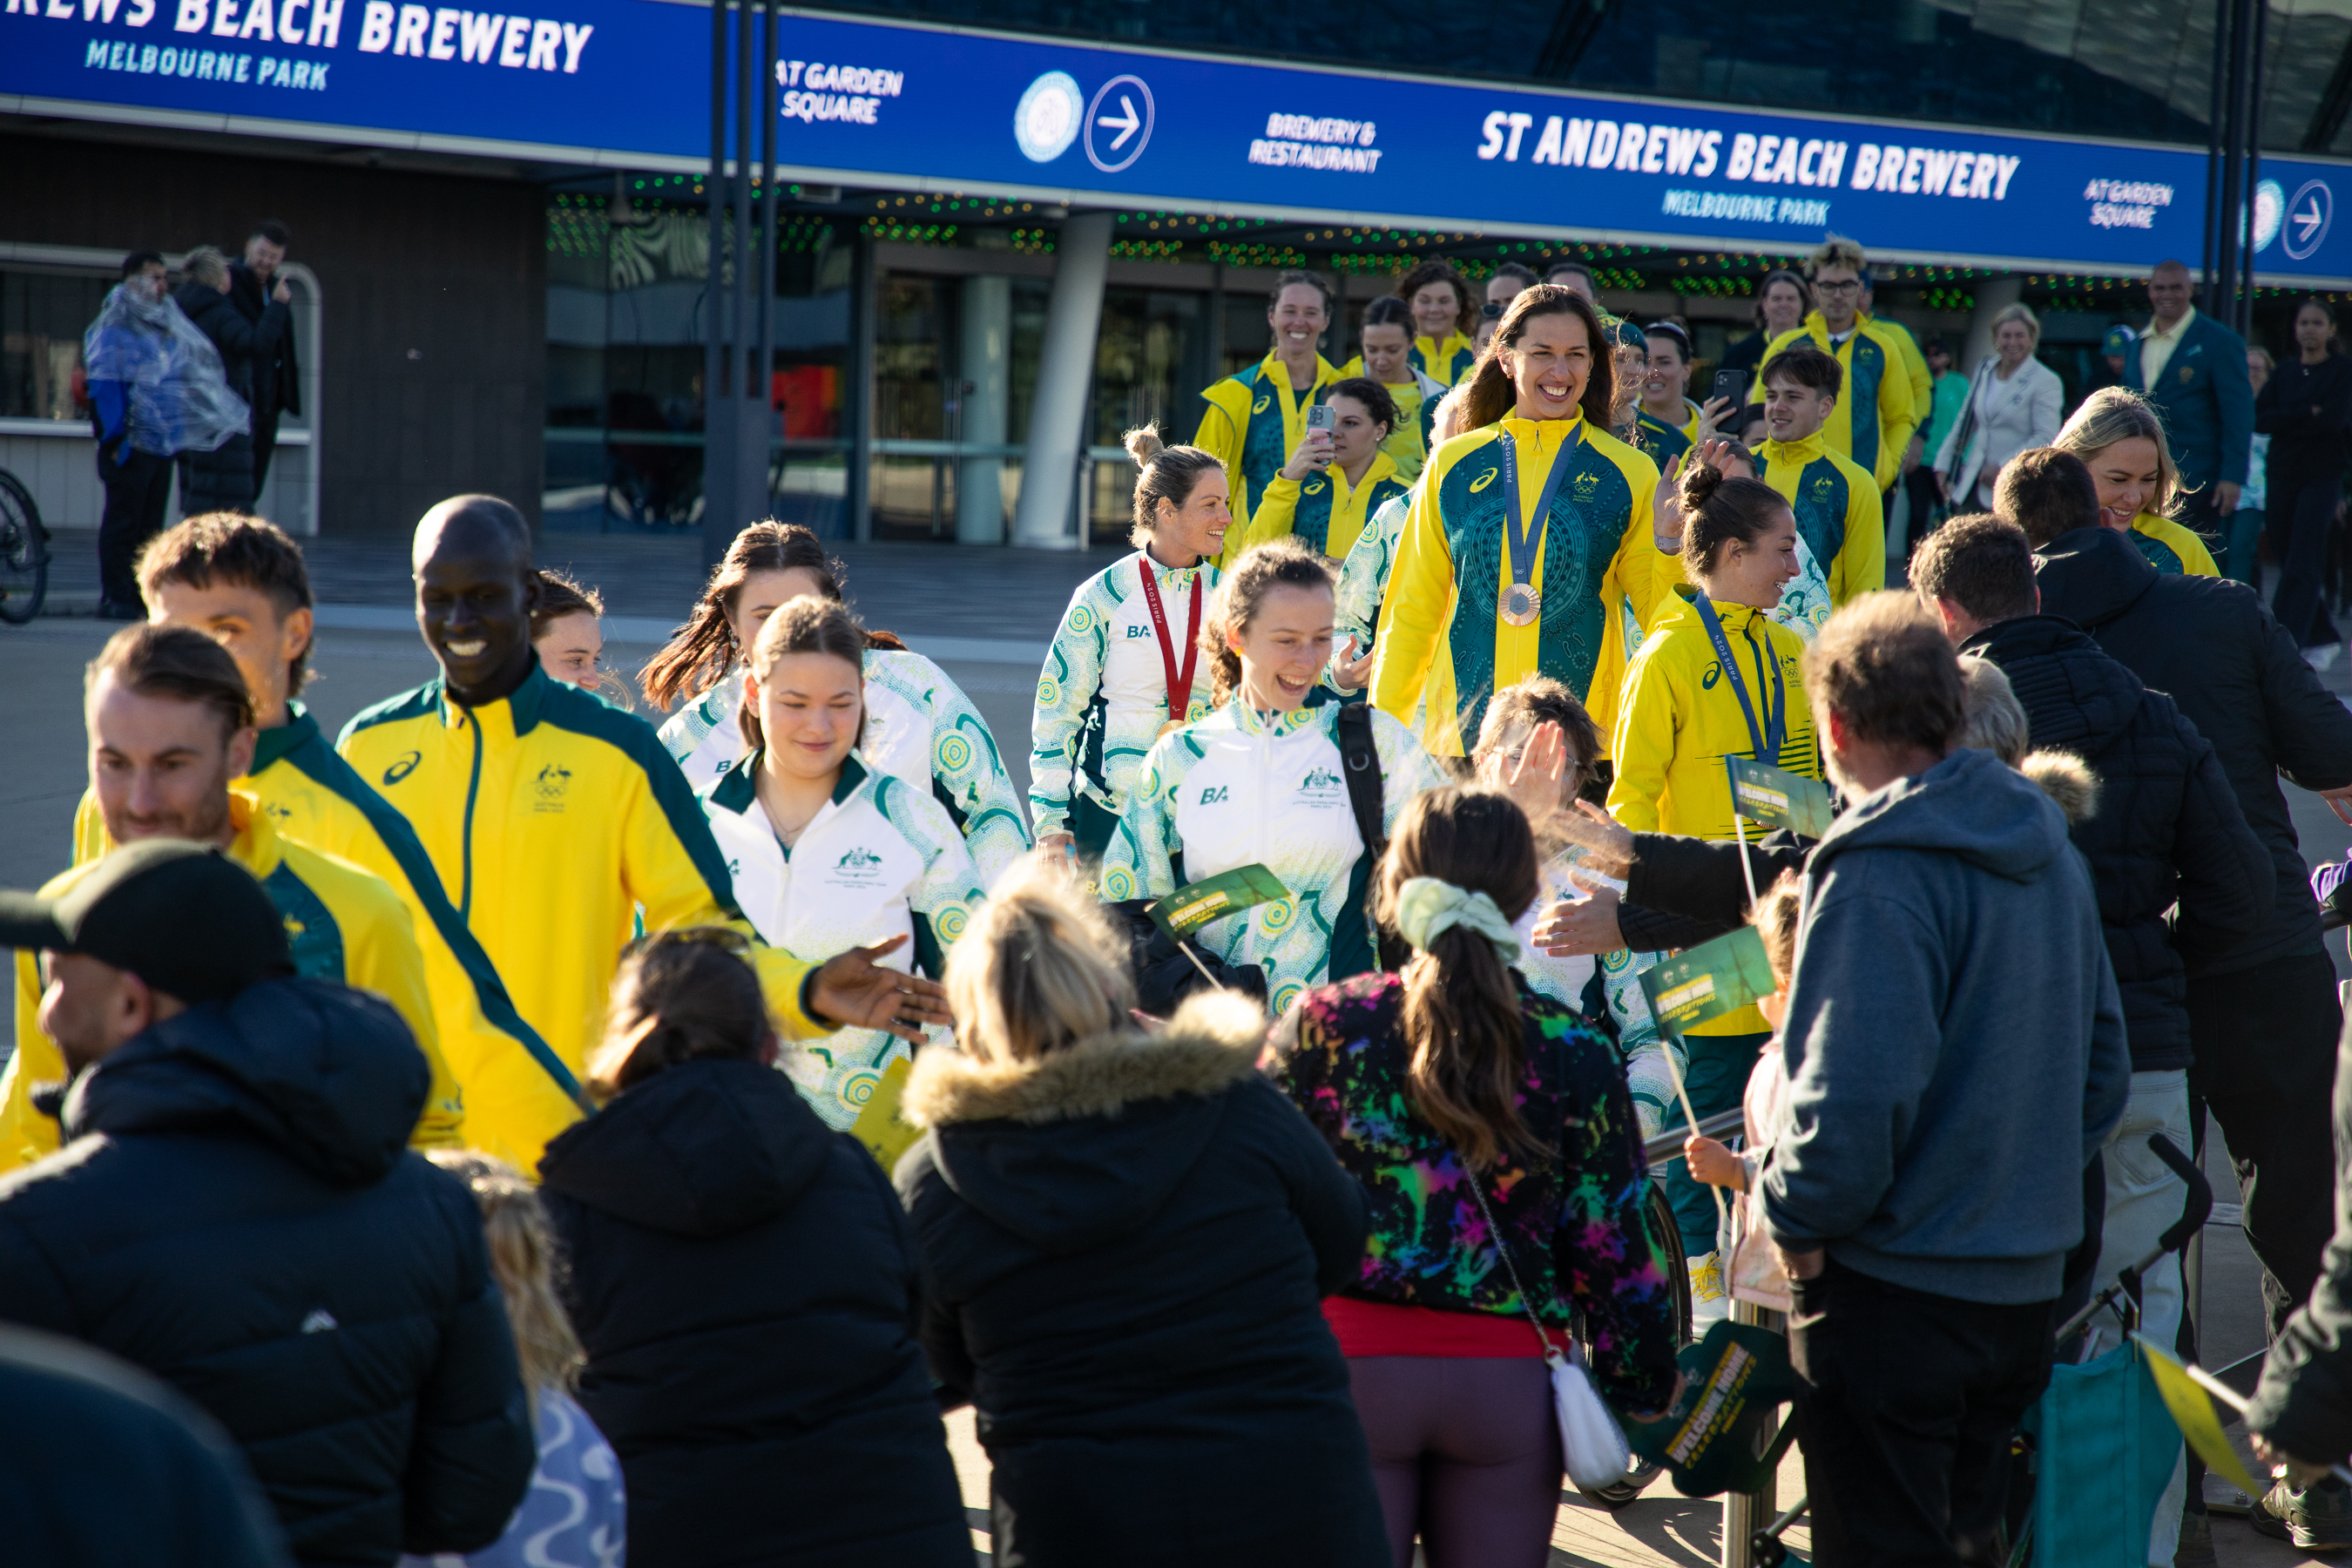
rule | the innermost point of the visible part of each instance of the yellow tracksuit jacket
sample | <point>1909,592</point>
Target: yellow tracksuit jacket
<point>1445,359</point>
<point>1252,422</point>
<point>1915,370</point>
<point>1323,510</point>
<point>342,922</point>
<point>1678,718</point>
<point>2170,547</point>
<point>1416,404</point>
<point>315,799</point>
<point>1665,442</point>
<point>1441,637</point>
<point>1875,416</point>
<point>1840,528</point>
<point>550,815</point>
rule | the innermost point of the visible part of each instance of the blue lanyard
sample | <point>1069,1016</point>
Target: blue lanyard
<point>1523,537</point>
<point>1769,739</point>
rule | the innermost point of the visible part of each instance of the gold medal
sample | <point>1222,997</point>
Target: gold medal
<point>1168,728</point>
<point>1520,604</point>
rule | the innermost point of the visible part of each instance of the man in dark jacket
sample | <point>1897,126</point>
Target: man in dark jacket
<point>1952,1013</point>
<point>236,1211</point>
<point>2193,369</point>
<point>2180,876</point>
<point>2262,1018</point>
<point>222,479</point>
<point>254,286</point>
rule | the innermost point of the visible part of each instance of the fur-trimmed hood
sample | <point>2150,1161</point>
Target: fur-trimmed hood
<point>1088,1143</point>
<point>2066,779</point>
<point>1210,1043</point>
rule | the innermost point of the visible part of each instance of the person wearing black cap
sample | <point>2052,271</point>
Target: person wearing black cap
<point>171,726</point>
<point>237,1149</point>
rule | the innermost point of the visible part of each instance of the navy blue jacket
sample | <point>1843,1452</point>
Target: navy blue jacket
<point>2206,402</point>
<point>236,1211</point>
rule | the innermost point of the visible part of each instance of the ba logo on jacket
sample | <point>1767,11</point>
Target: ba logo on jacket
<point>401,766</point>
<point>1216,794</point>
<point>1135,631</point>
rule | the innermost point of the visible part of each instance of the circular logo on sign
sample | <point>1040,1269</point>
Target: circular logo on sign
<point>1045,120</point>
<point>2306,220</point>
<point>2269,206</point>
<point>1119,123</point>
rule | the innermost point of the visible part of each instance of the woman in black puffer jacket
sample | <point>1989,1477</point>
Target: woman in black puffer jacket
<point>1125,1240</point>
<point>745,1284</point>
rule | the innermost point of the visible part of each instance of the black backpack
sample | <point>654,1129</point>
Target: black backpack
<point>1360,765</point>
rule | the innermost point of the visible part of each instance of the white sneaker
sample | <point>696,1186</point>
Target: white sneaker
<point>2322,656</point>
<point>1710,1302</point>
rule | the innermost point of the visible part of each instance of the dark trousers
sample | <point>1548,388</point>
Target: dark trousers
<point>137,491</point>
<point>2302,513</point>
<point>1906,1401</point>
<point>1927,505</point>
<point>265,442</point>
<point>1465,1452</point>
<point>2265,1043</point>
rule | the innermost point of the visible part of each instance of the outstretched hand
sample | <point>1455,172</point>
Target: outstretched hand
<point>854,992</point>
<point>1351,670</point>
<point>1581,927</point>
<point>1531,775</point>
<point>1666,507</point>
<point>1608,845</point>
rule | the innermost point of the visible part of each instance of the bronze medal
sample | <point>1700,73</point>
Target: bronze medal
<point>1520,605</point>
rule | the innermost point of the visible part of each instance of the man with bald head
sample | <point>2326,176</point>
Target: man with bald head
<point>552,816</point>
<point>2194,370</point>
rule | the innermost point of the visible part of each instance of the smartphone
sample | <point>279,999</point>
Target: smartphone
<point>1730,384</point>
<point>1321,417</point>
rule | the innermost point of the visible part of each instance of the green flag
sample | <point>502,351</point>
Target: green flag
<point>1188,909</point>
<point>1723,1434</point>
<point>1779,798</point>
<point>1708,981</point>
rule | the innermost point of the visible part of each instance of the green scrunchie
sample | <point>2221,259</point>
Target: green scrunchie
<point>1426,907</point>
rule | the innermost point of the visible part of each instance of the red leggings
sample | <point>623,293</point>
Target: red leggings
<point>1467,1455</point>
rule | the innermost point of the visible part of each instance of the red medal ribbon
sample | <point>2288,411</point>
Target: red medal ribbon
<point>1180,687</point>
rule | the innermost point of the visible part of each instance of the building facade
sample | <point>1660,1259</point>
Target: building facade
<point>503,240</point>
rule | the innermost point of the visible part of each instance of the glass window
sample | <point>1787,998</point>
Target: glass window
<point>42,317</point>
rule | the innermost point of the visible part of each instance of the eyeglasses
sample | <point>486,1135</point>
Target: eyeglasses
<point>1850,286</point>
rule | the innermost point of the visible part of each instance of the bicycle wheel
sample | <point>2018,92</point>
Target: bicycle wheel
<point>24,554</point>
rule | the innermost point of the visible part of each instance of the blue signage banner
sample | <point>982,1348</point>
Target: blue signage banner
<point>865,101</point>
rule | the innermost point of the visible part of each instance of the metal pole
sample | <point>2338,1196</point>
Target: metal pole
<point>2213,145</point>
<point>2245,318</point>
<point>765,365</point>
<point>1744,1512</point>
<point>2230,248</point>
<point>864,304</point>
<point>748,453</point>
<point>716,536</point>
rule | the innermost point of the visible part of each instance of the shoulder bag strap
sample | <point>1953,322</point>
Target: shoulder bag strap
<point>1503,1251</point>
<point>1359,761</point>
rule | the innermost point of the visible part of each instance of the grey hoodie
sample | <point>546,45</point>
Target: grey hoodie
<point>1954,1042</point>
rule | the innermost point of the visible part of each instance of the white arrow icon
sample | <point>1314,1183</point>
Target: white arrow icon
<point>1128,125</point>
<point>2307,220</point>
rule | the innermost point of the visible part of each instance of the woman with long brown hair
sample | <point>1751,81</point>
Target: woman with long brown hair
<point>919,726</point>
<point>1550,515</point>
<point>826,853</point>
<point>1493,1136</point>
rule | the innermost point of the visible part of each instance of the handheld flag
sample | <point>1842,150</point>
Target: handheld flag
<point>1719,1436</point>
<point>1708,981</point>
<point>1190,907</point>
<point>2191,1405</point>
<point>1775,797</point>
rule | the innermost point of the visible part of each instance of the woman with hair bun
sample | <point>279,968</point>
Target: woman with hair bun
<point>1522,533</point>
<point>1125,668</point>
<point>1717,677</point>
<point>919,725</point>
<point>828,853</point>
<point>745,1288</point>
<point>1263,781</point>
<point>1495,1139</point>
